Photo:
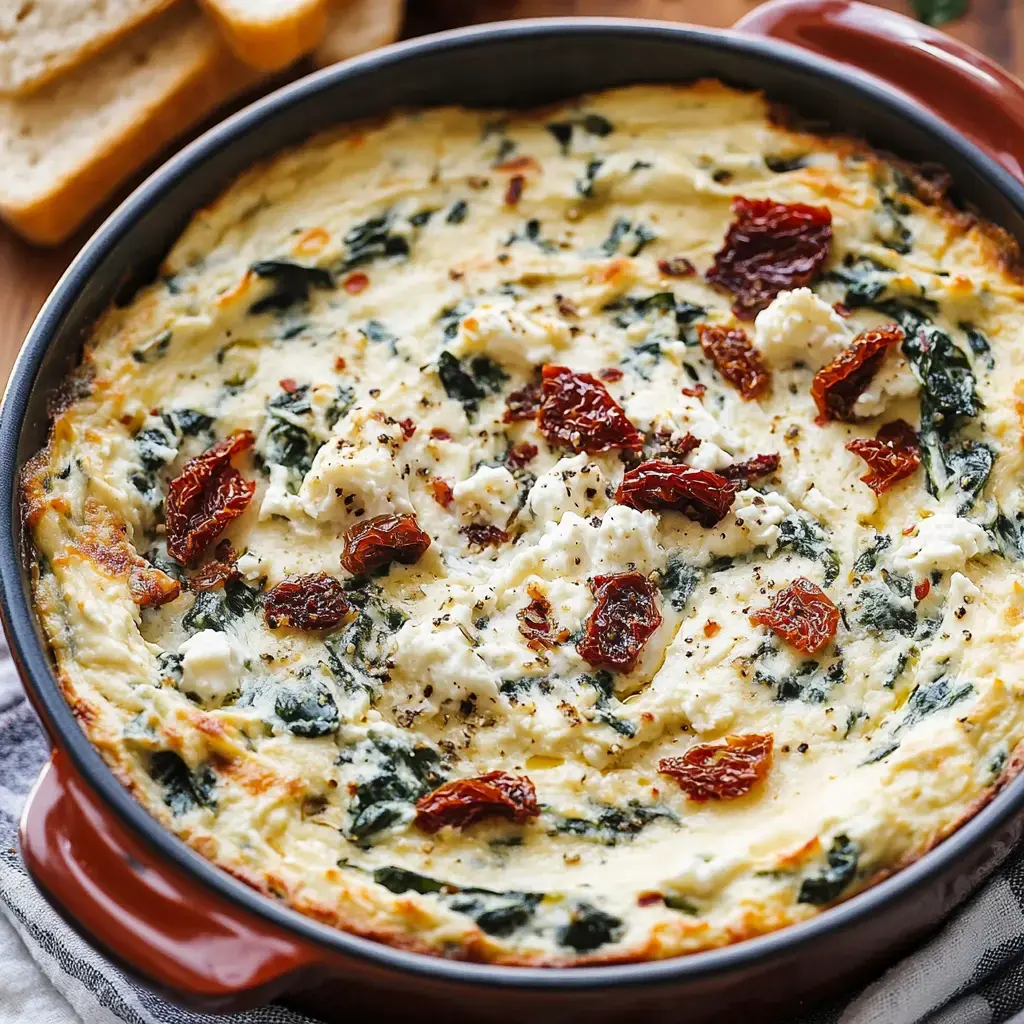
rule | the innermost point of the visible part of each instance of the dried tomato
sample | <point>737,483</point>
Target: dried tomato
<point>610,373</point>
<point>624,620</point>
<point>464,801</point>
<point>355,283</point>
<point>440,434</point>
<point>700,494</point>
<point>483,535</point>
<point>218,571</point>
<point>381,540</point>
<point>922,590</point>
<point>535,621</point>
<point>408,428</point>
<point>842,309</point>
<point>697,391</point>
<point>208,495</point>
<point>768,248</point>
<point>442,491</point>
<point>522,404</point>
<point>802,615</point>
<point>577,412</point>
<point>674,448</point>
<point>721,771</point>
<point>289,384</point>
<point>312,601</point>
<point>514,190</point>
<point>836,387</point>
<point>892,454</point>
<point>521,454</point>
<point>750,469</point>
<point>735,358</point>
<point>677,266</point>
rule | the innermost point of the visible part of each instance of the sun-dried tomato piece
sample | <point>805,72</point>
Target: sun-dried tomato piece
<point>217,571</point>
<point>408,428</point>
<point>677,266</point>
<point>700,494</point>
<point>674,449</point>
<point>922,590</point>
<point>768,248</point>
<point>721,771</point>
<point>836,387</point>
<point>697,391</point>
<point>381,540</point>
<point>750,469</point>
<point>311,601</point>
<point>464,801</point>
<point>624,620</point>
<point>514,189</point>
<point>440,434</point>
<point>802,614</point>
<point>442,491</point>
<point>483,535</point>
<point>735,358</point>
<point>610,373</point>
<point>208,494</point>
<point>892,454</point>
<point>535,622</point>
<point>521,454</point>
<point>522,404</point>
<point>578,413</point>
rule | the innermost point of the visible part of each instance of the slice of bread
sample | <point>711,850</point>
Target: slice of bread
<point>40,39</point>
<point>355,26</point>
<point>66,147</point>
<point>270,34</point>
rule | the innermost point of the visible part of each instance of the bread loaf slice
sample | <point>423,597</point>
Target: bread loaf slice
<point>40,39</point>
<point>355,26</point>
<point>270,34</point>
<point>66,146</point>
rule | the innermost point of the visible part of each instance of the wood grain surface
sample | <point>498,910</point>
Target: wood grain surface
<point>995,27</point>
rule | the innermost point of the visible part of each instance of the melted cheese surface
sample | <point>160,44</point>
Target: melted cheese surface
<point>295,759</point>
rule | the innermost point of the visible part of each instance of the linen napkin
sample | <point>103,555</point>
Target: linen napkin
<point>972,972</point>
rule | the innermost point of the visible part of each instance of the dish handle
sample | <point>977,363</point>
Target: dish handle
<point>969,91</point>
<point>178,937</point>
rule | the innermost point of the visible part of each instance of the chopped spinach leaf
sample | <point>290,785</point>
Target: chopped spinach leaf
<point>828,884</point>
<point>936,696</point>
<point>292,282</point>
<point>588,928</point>
<point>883,612</point>
<point>678,581</point>
<point>978,343</point>
<point>496,913</point>
<point>805,536</point>
<point>867,560</point>
<point>457,212</point>
<point>635,236</point>
<point>344,399</point>
<point>371,240</point>
<point>399,880</point>
<point>782,164</point>
<point>482,378</point>
<point>154,349</point>
<point>310,713</point>
<point>184,790</point>
<point>969,465</point>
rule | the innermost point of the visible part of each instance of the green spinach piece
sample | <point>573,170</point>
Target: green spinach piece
<point>783,164</point>
<point>867,560</point>
<point>344,399</point>
<point>805,536</point>
<point>938,12</point>
<point>496,913</point>
<point>588,928</point>
<point>883,612</point>
<point>184,790</point>
<point>153,350</point>
<point>482,378</point>
<point>457,212</point>
<point>399,880</point>
<point>531,233</point>
<point>978,343</point>
<point>924,700</point>
<point>292,282</point>
<point>678,580</point>
<point>309,712</point>
<point>808,683</point>
<point>969,465</point>
<point>636,236</point>
<point>840,867</point>
<point>372,240</point>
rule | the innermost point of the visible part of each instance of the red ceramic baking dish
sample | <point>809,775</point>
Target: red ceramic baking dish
<point>202,938</point>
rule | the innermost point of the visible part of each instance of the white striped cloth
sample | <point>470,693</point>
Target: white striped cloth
<point>972,972</point>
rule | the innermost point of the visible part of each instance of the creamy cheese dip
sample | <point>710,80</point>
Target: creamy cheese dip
<point>365,305</point>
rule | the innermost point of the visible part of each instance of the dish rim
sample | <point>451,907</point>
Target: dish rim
<point>33,660</point>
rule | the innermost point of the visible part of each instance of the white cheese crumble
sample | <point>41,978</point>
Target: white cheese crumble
<point>761,515</point>
<point>943,541</point>
<point>210,666</point>
<point>800,327</point>
<point>894,381</point>
<point>355,482</point>
<point>573,484</point>
<point>509,336</point>
<point>490,493</point>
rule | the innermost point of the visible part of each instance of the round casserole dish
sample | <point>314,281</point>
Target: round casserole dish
<point>189,929</point>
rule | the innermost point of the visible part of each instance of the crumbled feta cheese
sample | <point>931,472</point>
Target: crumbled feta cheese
<point>210,667</point>
<point>894,381</point>
<point>278,499</point>
<point>509,336</point>
<point>942,541</point>
<point>349,480</point>
<point>709,456</point>
<point>799,327</point>
<point>572,484</point>
<point>760,515</point>
<point>253,566</point>
<point>491,492</point>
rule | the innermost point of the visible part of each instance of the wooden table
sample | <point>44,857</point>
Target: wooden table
<point>993,26</point>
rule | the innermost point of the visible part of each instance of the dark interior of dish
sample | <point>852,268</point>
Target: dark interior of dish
<point>515,66</point>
